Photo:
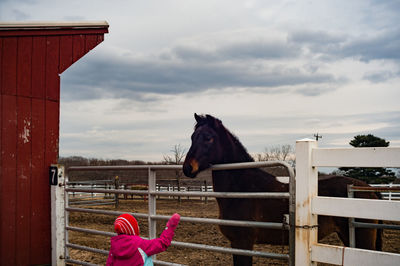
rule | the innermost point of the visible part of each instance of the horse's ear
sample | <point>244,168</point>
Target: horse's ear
<point>197,117</point>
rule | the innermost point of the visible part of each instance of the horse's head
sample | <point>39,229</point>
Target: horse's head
<point>205,149</point>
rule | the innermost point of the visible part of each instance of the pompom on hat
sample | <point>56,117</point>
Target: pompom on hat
<point>126,224</point>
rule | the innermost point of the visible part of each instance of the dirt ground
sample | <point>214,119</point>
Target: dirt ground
<point>186,232</point>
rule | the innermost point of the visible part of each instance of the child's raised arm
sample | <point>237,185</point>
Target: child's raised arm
<point>157,245</point>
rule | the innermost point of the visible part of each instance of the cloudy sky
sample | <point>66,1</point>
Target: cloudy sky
<point>272,71</point>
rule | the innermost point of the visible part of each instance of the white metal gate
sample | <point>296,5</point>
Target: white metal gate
<point>62,255</point>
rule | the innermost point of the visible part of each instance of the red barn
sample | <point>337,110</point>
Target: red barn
<point>32,57</point>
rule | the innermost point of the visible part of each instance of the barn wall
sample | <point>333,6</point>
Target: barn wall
<point>30,64</point>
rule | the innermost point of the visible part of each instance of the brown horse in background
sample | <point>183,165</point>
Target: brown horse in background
<point>213,144</point>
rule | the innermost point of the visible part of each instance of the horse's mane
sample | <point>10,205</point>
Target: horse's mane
<point>222,131</point>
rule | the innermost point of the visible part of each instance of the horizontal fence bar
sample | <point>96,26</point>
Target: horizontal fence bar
<point>78,262</point>
<point>385,185</point>
<point>90,231</point>
<point>217,167</point>
<point>374,189</point>
<point>350,207</point>
<point>269,225</point>
<point>243,195</point>
<point>356,157</point>
<point>199,246</point>
<point>125,167</point>
<point>379,226</point>
<point>110,191</point>
<point>92,202</point>
<point>95,204</point>
<point>160,262</point>
<point>248,165</point>
<point>352,256</point>
<point>231,250</point>
<point>112,181</point>
<point>113,213</point>
<point>77,196</point>
<point>187,194</point>
<point>85,248</point>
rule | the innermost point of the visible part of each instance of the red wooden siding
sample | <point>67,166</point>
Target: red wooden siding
<point>38,67</point>
<point>40,217</point>
<point>9,66</point>
<point>31,61</point>
<point>8,178</point>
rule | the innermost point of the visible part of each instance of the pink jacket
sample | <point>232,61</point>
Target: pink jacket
<point>129,249</point>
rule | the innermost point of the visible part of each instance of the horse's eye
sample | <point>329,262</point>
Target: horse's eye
<point>208,139</point>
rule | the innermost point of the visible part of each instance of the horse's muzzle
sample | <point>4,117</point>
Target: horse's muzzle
<point>191,168</point>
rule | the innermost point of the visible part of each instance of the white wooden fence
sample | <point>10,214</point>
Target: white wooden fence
<point>309,205</point>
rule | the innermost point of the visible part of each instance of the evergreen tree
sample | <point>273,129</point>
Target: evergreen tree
<point>369,175</point>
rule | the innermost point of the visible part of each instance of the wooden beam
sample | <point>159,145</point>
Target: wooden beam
<point>357,157</point>
<point>352,256</point>
<point>357,208</point>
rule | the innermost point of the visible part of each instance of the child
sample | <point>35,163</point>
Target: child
<point>128,248</point>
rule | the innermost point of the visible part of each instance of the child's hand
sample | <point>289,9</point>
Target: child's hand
<point>173,221</point>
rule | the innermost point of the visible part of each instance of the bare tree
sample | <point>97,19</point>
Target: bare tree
<point>178,153</point>
<point>277,153</point>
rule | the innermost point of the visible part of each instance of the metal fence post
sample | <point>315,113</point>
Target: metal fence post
<point>152,205</point>
<point>116,184</point>
<point>352,229</point>
<point>66,205</point>
<point>57,215</point>
<point>306,189</point>
<point>292,217</point>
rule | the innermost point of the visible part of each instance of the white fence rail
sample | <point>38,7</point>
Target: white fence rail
<point>389,195</point>
<point>309,205</point>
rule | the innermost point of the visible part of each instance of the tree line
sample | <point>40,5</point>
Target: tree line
<point>273,153</point>
<point>369,175</point>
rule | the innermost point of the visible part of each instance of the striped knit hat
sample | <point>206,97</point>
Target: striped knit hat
<point>126,224</point>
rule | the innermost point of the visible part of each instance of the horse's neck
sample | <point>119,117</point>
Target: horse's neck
<point>250,180</point>
<point>234,151</point>
<point>223,181</point>
<point>236,180</point>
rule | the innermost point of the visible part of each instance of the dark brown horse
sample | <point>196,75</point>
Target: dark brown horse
<point>212,144</point>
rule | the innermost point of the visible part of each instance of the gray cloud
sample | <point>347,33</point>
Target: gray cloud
<point>259,49</point>
<point>380,76</point>
<point>239,50</point>
<point>384,45</point>
<point>255,64</point>
<point>187,70</point>
<point>315,37</point>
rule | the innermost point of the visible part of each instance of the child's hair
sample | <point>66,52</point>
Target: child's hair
<point>126,224</point>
